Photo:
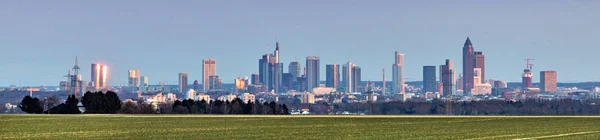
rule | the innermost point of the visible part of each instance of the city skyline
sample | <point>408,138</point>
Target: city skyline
<point>426,40</point>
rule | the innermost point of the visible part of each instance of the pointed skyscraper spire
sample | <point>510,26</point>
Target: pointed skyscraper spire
<point>276,43</point>
<point>468,42</point>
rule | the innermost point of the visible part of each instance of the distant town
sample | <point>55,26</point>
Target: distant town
<point>301,85</point>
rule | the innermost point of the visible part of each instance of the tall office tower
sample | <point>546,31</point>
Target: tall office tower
<point>527,79</point>
<point>215,82</point>
<point>144,80</point>
<point>209,68</point>
<point>183,82</point>
<point>275,75</point>
<point>459,82</point>
<point>447,78</point>
<point>134,78</point>
<point>347,77</point>
<point>295,69</point>
<point>356,78</point>
<point>255,78</point>
<point>270,70</point>
<point>240,84</point>
<point>398,73</point>
<point>263,68</point>
<point>468,66</point>
<point>480,63</point>
<point>312,72</point>
<point>196,85</point>
<point>477,76</point>
<point>429,79</point>
<point>548,81</point>
<point>383,92</point>
<point>287,81</point>
<point>333,75</point>
<point>99,76</point>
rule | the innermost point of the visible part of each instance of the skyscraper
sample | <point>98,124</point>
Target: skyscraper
<point>527,79</point>
<point>447,78</point>
<point>548,81</point>
<point>295,70</point>
<point>480,63</point>
<point>134,78</point>
<point>429,79</point>
<point>196,85</point>
<point>312,72</point>
<point>183,82</point>
<point>215,82</point>
<point>468,66</point>
<point>287,82</point>
<point>348,77</point>
<point>99,76</point>
<point>356,78</point>
<point>144,80</point>
<point>209,68</point>
<point>255,78</point>
<point>270,70</point>
<point>398,73</point>
<point>333,75</point>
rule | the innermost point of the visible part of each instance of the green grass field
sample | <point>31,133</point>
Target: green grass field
<point>294,127</point>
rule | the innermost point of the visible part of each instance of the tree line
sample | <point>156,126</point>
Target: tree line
<point>236,106</point>
<point>109,103</point>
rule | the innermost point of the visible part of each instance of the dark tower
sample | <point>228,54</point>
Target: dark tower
<point>429,81</point>
<point>332,73</point>
<point>468,66</point>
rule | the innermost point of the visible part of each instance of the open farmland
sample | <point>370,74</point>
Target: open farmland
<point>294,127</point>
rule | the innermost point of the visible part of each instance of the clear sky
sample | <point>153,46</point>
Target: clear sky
<point>40,39</point>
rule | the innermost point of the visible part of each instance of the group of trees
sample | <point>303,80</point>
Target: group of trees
<point>236,106</point>
<point>491,107</point>
<point>94,102</point>
<point>101,103</point>
<point>69,107</point>
<point>31,105</point>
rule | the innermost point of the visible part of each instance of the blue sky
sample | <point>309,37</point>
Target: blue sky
<point>39,39</point>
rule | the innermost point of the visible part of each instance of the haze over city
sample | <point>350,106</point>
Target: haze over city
<point>40,39</point>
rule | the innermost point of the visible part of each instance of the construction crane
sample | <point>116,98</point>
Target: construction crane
<point>527,64</point>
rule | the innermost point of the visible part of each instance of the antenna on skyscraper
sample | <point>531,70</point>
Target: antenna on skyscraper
<point>266,49</point>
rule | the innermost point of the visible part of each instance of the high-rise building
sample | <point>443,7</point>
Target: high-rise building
<point>312,72</point>
<point>332,75</point>
<point>295,70</point>
<point>527,79</point>
<point>183,82</point>
<point>287,82</point>
<point>468,66</point>
<point>350,78</point>
<point>240,84</point>
<point>144,80</point>
<point>215,83</point>
<point>356,79</point>
<point>270,70</point>
<point>209,68</point>
<point>398,73</point>
<point>99,76</point>
<point>134,78</point>
<point>275,77</point>
<point>480,63</point>
<point>447,75</point>
<point>429,79</point>
<point>548,81</point>
<point>196,85</point>
<point>255,78</point>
